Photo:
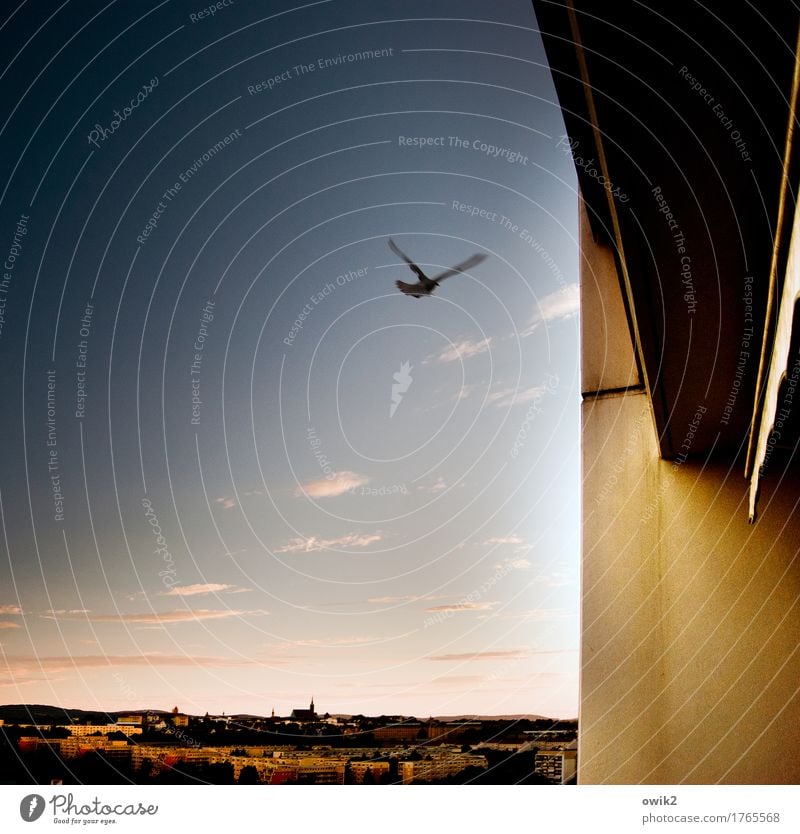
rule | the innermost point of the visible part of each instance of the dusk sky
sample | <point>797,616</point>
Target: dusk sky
<point>239,467</point>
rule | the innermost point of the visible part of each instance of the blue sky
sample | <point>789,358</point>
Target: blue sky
<point>255,509</point>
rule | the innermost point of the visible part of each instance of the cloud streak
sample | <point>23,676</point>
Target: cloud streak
<point>515,564</point>
<point>439,485</point>
<point>455,607</point>
<point>18,670</point>
<point>75,611</point>
<point>513,396</point>
<point>336,641</point>
<point>10,609</point>
<point>558,305</point>
<point>337,483</point>
<point>511,539</point>
<point>193,590</point>
<point>313,544</point>
<point>496,655</point>
<point>161,618</point>
<point>460,351</point>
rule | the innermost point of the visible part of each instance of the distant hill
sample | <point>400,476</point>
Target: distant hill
<point>525,717</point>
<point>43,714</point>
<point>46,714</point>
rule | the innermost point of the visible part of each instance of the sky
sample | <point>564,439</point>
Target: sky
<point>240,468</point>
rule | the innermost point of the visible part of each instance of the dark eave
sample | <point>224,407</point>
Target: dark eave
<point>624,73</point>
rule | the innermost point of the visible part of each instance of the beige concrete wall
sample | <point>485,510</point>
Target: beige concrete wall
<point>607,360</point>
<point>690,666</point>
<point>690,617</point>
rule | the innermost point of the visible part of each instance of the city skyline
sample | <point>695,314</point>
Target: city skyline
<point>76,714</point>
<point>46,745</point>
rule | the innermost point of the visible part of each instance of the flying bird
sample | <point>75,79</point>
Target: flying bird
<point>425,286</point>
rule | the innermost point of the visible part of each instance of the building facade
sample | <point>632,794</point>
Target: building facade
<point>557,765</point>
<point>681,125</point>
<point>438,767</point>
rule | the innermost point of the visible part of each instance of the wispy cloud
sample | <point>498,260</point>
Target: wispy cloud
<point>460,351</point>
<point>466,391</point>
<point>498,655</point>
<point>334,641</point>
<point>438,486</point>
<point>227,502</point>
<point>336,484</point>
<point>10,609</point>
<point>161,618</point>
<point>463,606</point>
<point>515,564</point>
<point>561,304</point>
<point>513,538</point>
<point>406,598</point>
<point>21,669</point>
<point>459,680</point>
<point>209,588</point>
<point>313,544</point>
<point>513,396</point>
<point>8,624</point>
<point>75,611</point>
<point>147,659</point>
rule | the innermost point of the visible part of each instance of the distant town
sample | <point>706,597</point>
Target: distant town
<point>50,745</point>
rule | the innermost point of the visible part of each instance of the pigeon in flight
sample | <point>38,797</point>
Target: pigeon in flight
<point>425,286</point>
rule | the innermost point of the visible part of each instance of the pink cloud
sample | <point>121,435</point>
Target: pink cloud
<point>10,609</point>
<point>497,655</point>
<point>17,670</point>
<point>157,619</point>
<point>192,590</point>
<point>463,606</point>
<point>337,484</point>
<point>438,486</point>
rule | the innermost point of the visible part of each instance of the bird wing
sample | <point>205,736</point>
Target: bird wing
<point>412,266</point>
<point>410,289</point>
<point>462,267</point>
